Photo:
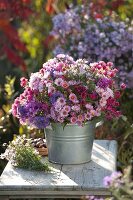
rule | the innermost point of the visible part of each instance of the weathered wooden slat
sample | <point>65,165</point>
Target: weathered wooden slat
<point>63,180</point>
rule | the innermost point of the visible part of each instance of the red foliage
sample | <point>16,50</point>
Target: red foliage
<point>115,4</point>
<point>49,7</point>
<point>49,39</point>
<point>98,7</point>
<point>10,42</point>
<point>14,58</point>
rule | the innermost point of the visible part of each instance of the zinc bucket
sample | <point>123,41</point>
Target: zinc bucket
<point>71,144</point>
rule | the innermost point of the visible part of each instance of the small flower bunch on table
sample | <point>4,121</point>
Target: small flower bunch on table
<point>22,154</point>
<point>69,92</point>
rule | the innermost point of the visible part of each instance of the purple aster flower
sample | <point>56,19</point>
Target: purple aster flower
<point>107,181</point>
<point>104,83</point>
<point>55,96</point>
<point>22,111</point>
<point>113,180</point>
<point>40,122</point>
<point>52,74</point>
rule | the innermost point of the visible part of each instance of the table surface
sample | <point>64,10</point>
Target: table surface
<point>63,180</point>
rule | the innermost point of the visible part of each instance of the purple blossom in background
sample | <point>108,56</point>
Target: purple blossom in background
<point>113,180</point>
<point>81,36</point>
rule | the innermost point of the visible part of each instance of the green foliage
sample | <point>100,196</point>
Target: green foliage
<point>23,155</point>
<point>8,125</point>
<point>125,10</point>
<point>33,33</point>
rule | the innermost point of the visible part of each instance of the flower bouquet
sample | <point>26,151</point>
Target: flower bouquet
<point>67,92</point>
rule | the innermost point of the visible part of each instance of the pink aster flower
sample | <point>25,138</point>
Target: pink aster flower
<point>107,93</point>
<point>73,120</point>
<point>99,90</point>
<point>98,111</point>
<point>34,81</point>
<point>41,86</point>
<point>89,106</point>
<point>73,98</point>
<point>64,84</point>
<point>51,90</point>
<point>59,66</point>
<point>73,82</point>
<point>73,114</point>
<point>58,81</point>
<point>58,107</point>
<point>110,64</point>
<point>46,74</point>
<point>103,102</point>
<point>60,119</point>
<point>92,113</point>
<point>76,108</point>
<point>63,113</point>
<point>81,118</point>
<point>123,86</point>
<point>88,116</point>
<point>61,101</point>
<point>23,82</point>
<point>67,108</point>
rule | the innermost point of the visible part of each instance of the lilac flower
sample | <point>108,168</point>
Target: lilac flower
<point>40,122</point>
<point>104,39</point>
<point>104,83</point>
<point>55,96</point>
<point>113,180</point>
<point>35,81</point>
<point>22,111</point>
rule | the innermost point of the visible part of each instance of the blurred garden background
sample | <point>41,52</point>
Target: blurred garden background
<point>33,31</point>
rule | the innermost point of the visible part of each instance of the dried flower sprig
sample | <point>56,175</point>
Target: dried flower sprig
<point>22,154</point>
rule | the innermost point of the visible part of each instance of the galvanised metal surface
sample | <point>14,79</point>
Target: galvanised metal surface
<point>71,144</point>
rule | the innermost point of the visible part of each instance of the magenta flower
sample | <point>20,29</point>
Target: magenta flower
<point>123,86</point>
<point>23,82</point>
